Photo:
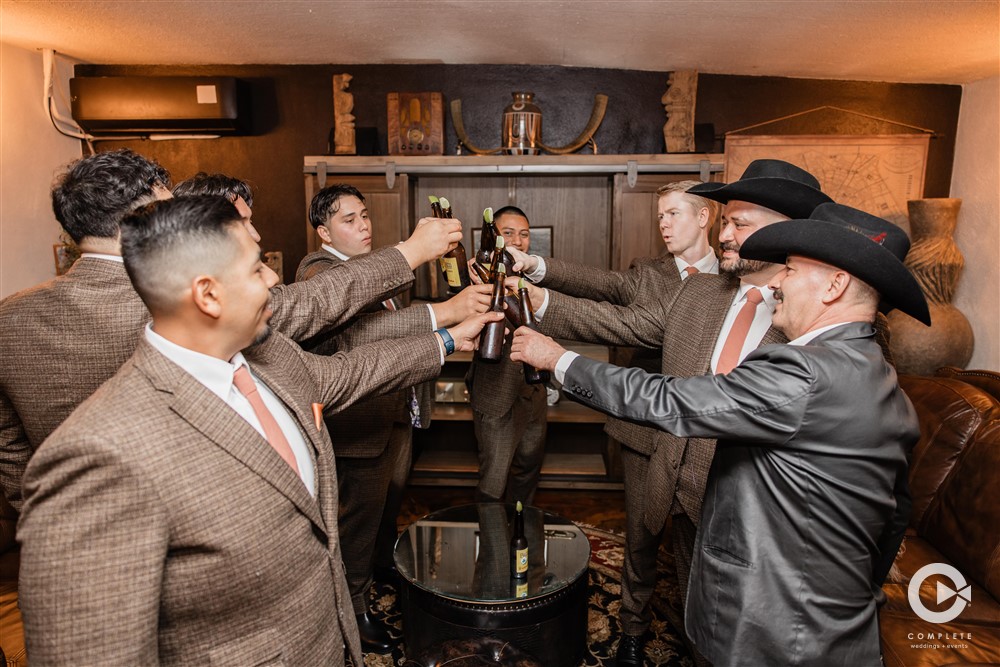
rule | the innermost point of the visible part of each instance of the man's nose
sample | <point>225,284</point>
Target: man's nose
<point>272,277</point>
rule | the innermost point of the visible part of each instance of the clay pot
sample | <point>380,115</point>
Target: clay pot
<point>937,264</point>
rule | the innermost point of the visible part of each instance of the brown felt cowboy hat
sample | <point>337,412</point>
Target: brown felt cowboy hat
<point>870,248</point>
<point>774,184</point>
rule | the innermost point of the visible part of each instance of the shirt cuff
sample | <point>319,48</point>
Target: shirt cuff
<point>563,365</point>
<point>539,273</point>
<point>440,343</point>
<point>540,311</point>
<point>434,321</point>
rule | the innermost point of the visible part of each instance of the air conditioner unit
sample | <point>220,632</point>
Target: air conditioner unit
<point>159,104</point>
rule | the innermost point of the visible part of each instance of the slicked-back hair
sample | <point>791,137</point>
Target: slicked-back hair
<point>326,202</point>
<point>510,210</point>
<point>222,185</point>
<point>94,193</point>
<point>166,243</point>
<point>697,201</point>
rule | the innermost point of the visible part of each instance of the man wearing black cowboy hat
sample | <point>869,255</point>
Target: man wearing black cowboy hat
<point>813,439</point>
<point>695,329</point>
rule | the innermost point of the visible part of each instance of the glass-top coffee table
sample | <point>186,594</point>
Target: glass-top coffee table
<point>454,566</point>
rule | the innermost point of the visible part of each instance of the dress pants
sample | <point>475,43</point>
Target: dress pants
<point>371,491</point>
<point>511,448</point>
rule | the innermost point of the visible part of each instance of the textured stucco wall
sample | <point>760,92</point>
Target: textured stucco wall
<point>976,181</point>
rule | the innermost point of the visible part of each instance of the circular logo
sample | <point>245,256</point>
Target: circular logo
<point>962,593</point>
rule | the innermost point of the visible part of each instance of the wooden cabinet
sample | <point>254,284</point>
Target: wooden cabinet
<point>602,211</point>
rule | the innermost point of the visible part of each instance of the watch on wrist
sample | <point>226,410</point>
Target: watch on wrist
<point>449,342</point>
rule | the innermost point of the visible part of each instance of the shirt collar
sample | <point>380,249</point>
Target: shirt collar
<point>707,264</point>
<point>100,255</point>
<point>809,336</point>
<point>765,291</point>
<point>333,251</point>
<point>215,374</point>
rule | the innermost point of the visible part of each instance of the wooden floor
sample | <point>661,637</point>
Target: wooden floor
<point>602,509</point>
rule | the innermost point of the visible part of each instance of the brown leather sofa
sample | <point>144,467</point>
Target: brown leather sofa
<point>955,484</point>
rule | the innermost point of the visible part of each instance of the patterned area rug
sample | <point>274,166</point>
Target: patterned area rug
<point>664,645</point>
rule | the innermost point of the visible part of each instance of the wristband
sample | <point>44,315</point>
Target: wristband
<point>449,342</point>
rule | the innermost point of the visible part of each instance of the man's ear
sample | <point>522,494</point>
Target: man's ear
<point>839,282</point>
<point>704,217</point>
<point>324,234</point>
<point>206,292</point>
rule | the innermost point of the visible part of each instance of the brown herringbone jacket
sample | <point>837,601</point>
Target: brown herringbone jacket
<point>362,431</point>
<point>160,528</point>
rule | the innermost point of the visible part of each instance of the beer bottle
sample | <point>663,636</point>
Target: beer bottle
<point>532,375</point>
<point>491,338</point>
<point>454,265</point>
<point>519,546</point>
<point>487,239</point>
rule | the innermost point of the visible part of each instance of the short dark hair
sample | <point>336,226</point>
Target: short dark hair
<point>324,203</point>
<point>94,193</point>
<point>222,185</point>
<point>164,241</point>
<point>513,210</point>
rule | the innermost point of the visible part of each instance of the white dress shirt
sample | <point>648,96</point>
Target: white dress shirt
<point>216,375</point>
<point>101,255</point>
<point>707,264</point>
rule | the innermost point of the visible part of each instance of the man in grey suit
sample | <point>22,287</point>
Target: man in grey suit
<point>805,495</point>
<point>374,437</point>
<point>664,474</point>
<point>186,513</point>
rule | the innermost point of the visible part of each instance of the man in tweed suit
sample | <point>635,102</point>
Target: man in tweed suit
<point>61,340</point>
<point>181,516</point>
<point>806,499</point>
<point>664,474</point>
<point>374,437</point>
<point>509,415</point>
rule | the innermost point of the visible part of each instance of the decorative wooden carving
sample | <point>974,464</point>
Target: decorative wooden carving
<point>415,123</point>
<point>678,101</point>
<point>343,120</point>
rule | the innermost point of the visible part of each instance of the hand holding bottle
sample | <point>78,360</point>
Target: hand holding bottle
<point>523,262</point>
<point>535,293</point>
<point>535,349</point>
<point>431,238</point>
<point>466,333</point>
<point>473,300</point>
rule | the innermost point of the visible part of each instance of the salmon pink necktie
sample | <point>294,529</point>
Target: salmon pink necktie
<point>246,386</point>
<point>729,358</point>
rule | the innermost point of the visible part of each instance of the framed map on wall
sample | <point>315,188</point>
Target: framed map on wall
<point>877,174</point>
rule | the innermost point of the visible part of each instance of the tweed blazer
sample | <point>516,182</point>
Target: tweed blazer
<point>647,279</point>
<point>159,527</point>
<point>61,340</point>
<point>804,495</point>
<point>363,429</point>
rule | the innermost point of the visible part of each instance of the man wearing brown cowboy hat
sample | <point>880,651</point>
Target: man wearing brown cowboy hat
<point>803,498</point>
<point>695,330</point>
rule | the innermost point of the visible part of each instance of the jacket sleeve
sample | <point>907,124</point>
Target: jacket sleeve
<point>589,282</point>
<point>383,325</point>
<point>15,451</point>
<point>304,309</point>
<point>760,401</point>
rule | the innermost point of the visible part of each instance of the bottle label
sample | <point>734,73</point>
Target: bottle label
<point>522,590</point>
<point>521,561</point>
<point>449,267</point>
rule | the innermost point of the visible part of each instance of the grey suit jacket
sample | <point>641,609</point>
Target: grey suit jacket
<point>61,340</point>
<point>159,527</point>
<point>363,429</point>
<point>812,440</point>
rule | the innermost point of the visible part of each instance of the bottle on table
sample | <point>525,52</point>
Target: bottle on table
<point>532,375</point>
<point>519,546</point>
<point>454,264</point>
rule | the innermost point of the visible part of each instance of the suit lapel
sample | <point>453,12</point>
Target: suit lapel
<point>224,427</point>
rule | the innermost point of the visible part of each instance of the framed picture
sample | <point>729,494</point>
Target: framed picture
<point>541,240</point>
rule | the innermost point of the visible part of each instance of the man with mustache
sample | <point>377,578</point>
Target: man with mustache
<point>806,497</point>
<point>186,513</point>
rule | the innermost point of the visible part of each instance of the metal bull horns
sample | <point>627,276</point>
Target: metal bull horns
<point>522,128</point>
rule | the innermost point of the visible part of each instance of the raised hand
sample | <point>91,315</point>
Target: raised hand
<point>431,238</point>
<point>466,333</point>
<point>523,262</point>
<point>472,300</point>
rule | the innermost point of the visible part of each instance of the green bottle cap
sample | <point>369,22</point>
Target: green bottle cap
<point>432,199</point>
<point>519,506</point>
<point>444,202</point>
<point>520,284</point>
<point>500,242</point>
<point>487,214</point>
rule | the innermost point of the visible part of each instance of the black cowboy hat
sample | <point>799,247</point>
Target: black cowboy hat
<point>865,246</point>
<point>774,184</point>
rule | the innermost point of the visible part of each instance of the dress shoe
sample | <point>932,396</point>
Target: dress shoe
<point>630,651</point>
<point>374,638</point>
